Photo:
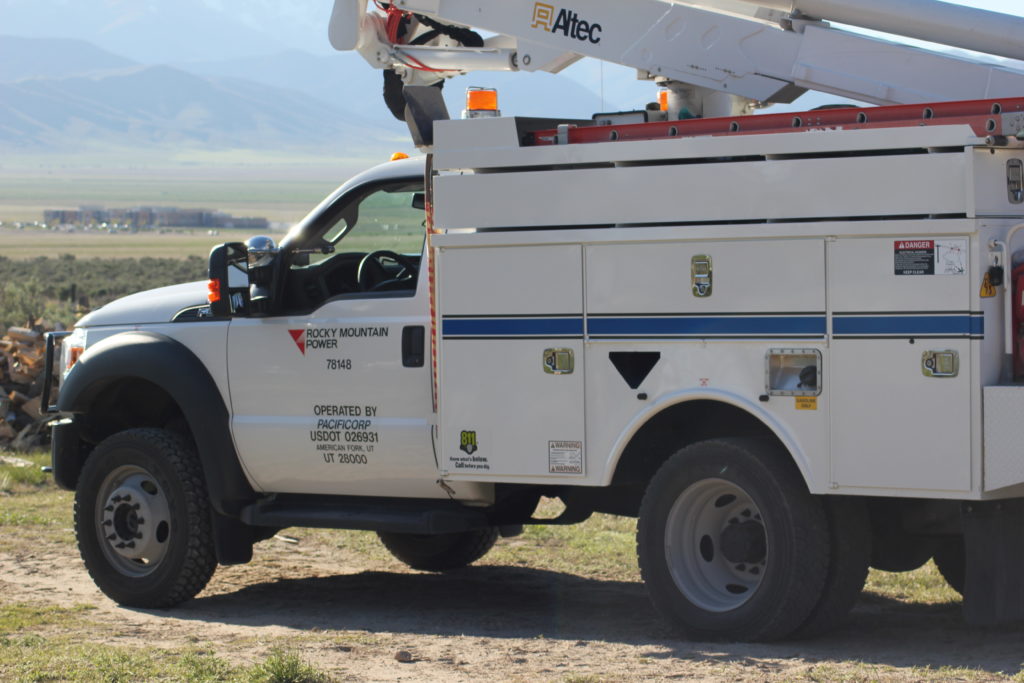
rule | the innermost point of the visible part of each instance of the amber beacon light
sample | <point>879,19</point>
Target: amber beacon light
<point>663,100</point>
<point>481,102</point>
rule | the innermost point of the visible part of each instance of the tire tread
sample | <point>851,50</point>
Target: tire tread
<point>802,584</point>
<point>849,556</point>
<point>199,560</point>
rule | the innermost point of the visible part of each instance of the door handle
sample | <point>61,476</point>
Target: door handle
<point>412,346</point>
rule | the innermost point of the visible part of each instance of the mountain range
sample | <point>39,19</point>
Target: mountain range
<point>162,31</point>
<point>258,75</point>
<point>82,75</point>
<point>68,95</point>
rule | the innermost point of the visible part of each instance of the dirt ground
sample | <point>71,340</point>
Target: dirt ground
<point>495,623</point>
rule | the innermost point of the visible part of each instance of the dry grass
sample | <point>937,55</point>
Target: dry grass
<point>907,627</point>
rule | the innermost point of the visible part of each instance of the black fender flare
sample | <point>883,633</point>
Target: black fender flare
<point>173,367</point>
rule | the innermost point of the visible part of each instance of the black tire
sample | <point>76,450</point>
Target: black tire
<point>440,552</point>
<point>751,497</point>
<point>899,551</point>
<point>849,554</point>
<point>142,518</point>
<point>951,559</point>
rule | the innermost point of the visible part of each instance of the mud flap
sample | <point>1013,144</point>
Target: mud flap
<point>66,453</point>
<point>994,542</point>
<point>233,540</point>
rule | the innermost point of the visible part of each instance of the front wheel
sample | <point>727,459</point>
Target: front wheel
<point>142,519</point>
<point>731,545</point>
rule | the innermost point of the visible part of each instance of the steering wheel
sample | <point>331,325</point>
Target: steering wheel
<point>372,275</point>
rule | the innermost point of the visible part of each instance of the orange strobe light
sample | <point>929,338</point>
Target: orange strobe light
<point>481,102</point>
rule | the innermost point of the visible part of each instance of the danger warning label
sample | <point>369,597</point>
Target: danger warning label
<point>915,257</point>
<point>931,257</point>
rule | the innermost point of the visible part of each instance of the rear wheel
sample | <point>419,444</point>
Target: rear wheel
<point>731,545</point>
<point>440,552</point>
<point>142,519</point>
<point>849,554</point>
<point>951,560</point>
<point>894,550</point>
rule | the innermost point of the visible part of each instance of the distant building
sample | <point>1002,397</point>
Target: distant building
<point>147,217</point>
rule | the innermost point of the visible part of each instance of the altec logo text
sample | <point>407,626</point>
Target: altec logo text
<point>566,22</point>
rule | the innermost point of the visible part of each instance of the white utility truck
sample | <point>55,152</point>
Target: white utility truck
<point>790,344</point>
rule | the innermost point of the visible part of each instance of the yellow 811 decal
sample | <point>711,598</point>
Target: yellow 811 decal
<point>468,442</point>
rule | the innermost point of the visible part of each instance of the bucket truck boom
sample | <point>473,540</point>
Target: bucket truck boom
<point>716,56</point>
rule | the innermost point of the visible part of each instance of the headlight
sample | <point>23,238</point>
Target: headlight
<point>72,349</point>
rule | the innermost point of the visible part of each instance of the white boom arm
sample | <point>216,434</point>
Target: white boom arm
<point>759,50</point>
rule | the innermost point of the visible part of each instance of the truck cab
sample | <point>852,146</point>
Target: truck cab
<point>334,372</point>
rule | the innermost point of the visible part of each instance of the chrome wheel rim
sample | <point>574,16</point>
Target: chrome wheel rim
<point>133,520</point>
<point>716,545</point>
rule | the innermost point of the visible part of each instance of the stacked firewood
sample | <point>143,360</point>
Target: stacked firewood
<point>23,418</point>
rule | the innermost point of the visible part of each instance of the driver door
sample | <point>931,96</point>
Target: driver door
<point>337,400</point>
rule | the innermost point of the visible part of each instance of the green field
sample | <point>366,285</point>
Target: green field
<point>279,193</point>
<point>57,275</point>
<point>282,193</point>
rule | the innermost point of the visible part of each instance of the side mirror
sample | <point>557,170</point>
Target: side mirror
<point>261,251</point>
<point>225,299</point>
<point>262,256</point>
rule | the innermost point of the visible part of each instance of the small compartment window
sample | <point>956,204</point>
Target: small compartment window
<point>793,372</point>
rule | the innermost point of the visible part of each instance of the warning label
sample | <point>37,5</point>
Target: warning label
<point>951,257</point>
<point>930,257</point>
<point>915,257</point>
<point>565,457</point>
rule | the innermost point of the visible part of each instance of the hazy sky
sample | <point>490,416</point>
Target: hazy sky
<point>1014,7</point>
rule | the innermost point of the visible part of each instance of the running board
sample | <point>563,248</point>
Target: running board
<point>367,514</point>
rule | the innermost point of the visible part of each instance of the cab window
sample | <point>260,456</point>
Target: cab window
<point>377,237</point>
<point>384,219</point>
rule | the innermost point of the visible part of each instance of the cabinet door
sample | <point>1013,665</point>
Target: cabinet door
<point>512,363</point>
<point>893,424</point>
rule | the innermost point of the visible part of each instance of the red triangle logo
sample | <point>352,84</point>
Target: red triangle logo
<point>299,337</point>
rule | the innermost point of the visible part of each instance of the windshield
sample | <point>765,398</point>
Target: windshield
<point>388,217</point>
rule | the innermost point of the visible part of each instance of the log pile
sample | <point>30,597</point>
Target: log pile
<point>23,418</point>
